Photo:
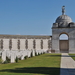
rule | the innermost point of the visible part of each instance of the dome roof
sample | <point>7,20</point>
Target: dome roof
<point>63,19</point>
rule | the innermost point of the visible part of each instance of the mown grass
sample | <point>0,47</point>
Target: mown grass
<point>72,55</point>
<point>46,64</point>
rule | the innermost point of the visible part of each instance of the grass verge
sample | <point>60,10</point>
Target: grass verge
<point>46,64</point>
<point>72,55</point>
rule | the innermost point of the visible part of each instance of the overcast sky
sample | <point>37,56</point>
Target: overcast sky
<point>32,17</point>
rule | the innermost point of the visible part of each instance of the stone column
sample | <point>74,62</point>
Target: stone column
<point>71,46</point>
<point>55,43</point>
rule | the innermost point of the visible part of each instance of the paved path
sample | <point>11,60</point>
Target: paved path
<point>67,65</point>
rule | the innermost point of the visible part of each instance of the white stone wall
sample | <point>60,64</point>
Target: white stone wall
<point>30,44</point>
<point>22,44</point>
<point>38,44</point>
<point>45,44</point>
<point>6,44</point>
<point>14,44</point>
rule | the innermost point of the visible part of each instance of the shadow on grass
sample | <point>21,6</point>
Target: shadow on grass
<point>72,55</point>
<point>35,70</point>
<point>60,55</point>
<point>68,56</point>
<point>54,55</point>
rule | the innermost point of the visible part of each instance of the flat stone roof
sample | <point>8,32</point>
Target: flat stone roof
<point>26,36</point>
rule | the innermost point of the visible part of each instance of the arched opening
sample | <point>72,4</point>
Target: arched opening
<point>63,37</point>
<point>64,43</point>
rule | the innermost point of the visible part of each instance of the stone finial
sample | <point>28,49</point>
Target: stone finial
<point>63,10</point>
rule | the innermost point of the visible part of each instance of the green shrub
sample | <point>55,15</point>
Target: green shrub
<point>7,60</point>
<point>25,57</point>
<point>16,60</point>
<point>35,54</point>
<point>38,53</point>
<point>19,58</point>
<point>0,59</point>
<point>31,54</point>
<point>41,53</point>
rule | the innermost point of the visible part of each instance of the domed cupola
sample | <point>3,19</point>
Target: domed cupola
<point>63,20</point>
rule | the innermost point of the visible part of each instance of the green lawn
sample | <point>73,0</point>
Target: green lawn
<point>72,55</point>
<point>46,64</point>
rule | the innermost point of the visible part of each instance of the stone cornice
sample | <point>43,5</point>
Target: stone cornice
<point>25,36</point>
